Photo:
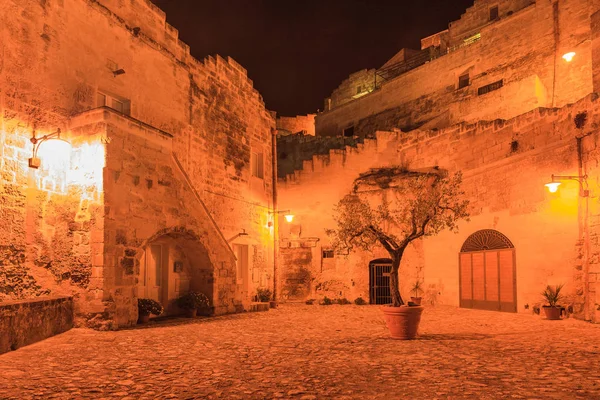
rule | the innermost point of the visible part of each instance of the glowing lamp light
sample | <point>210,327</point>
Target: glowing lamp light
<point>568,56</point>
<point>552,186</point>
<point>289,217</point>
<point>54,151</point>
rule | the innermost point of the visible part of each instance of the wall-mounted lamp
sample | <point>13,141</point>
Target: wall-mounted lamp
<point>568,57</point>
<point>59,147</point>
<point>287,214</point>
<point>118,72</point>
<point>582,179</point>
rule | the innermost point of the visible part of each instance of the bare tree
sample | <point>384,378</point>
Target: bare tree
<point>405,206</point>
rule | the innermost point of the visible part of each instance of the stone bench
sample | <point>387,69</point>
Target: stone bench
<point>24,322</point>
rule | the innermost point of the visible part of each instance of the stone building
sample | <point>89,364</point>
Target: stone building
<point>169,182</point>
<point>492,97</point>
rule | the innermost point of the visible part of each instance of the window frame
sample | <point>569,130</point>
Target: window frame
<point>110,99</point>
<point>257,164</point>
<point>461,81</point>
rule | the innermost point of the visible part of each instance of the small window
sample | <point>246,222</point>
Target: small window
<point>327,253</point>
<point>494,13</point>
<point>118,104</point>
<point>257,165</point>
<point>358,89</point>
<point>349,132</point>
<point>463,81</point>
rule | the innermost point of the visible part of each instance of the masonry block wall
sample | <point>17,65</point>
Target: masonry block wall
<point>216,118</point>
<point>505,165</point>
<point>522,50</point>
<point>297,124</point>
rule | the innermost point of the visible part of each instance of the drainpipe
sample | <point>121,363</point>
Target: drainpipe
<point>586,237</point>
<point>275,217</point>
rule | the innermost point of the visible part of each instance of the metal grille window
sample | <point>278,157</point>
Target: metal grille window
<point>327,253</point>
<point>491,87</point>
<point>463,81</point>
<point>379,281</point>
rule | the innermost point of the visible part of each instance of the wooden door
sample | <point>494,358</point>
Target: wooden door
<point>487,272</point>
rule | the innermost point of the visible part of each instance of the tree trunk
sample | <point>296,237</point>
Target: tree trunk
<point>394,281</point>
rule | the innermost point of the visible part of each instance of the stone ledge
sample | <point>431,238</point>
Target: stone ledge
<point>23,322</point>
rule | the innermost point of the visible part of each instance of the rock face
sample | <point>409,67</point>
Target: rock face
<point>166,150</point>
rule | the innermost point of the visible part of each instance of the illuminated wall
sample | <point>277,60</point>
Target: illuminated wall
<point>58,61</point>
<point>505,166</point>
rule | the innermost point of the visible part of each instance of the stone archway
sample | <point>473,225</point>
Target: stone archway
<point>173,262</point>
<point>487,272</point>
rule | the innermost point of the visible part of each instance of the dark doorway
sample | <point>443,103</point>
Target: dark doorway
<point>379,281</point>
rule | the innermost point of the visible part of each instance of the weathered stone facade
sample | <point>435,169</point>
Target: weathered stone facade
<point>505,165</point>
<point>167,151</point>
<point>510,64</point>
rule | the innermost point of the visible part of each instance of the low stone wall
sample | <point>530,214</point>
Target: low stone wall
<point>25,322</point>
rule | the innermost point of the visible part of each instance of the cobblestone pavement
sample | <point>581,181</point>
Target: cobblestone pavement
<point>315,352</point>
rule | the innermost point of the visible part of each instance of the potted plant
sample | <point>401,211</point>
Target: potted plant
<point>191,302</point>
<point>416,289</point>
<point>397,207</point>
<point>552,296</point>
<point>263,295</point>
<point>147,307</point>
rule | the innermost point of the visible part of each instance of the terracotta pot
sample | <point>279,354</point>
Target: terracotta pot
<point>143,318</point>
<point>552,313</point>
<point>416,300</point>
<point>190,312</point>
<point>403,322</point>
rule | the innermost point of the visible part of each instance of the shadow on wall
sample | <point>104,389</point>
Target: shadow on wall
<point>170,265</point>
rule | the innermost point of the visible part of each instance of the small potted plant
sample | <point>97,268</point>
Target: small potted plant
<point>191,302</point>
<point>147,307</point>
<point>263,295</point>
<point>416,289</point>
<point>552,296</point>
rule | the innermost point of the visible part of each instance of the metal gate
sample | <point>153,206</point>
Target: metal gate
<point>379,281</point>
<point>487,272</point>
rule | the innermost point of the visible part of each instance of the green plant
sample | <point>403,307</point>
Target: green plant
<point>412,205</point>
<point>360,301</point>
<point>310,302</point>
<point>264,294</point>
<point>417,287</point>
<point>326,301</point>
<point>552,294</point>
<point>343,301</point>
<point>193,300</point>
<point>149,306</point>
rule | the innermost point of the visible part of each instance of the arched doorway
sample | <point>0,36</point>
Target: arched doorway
<point>171,264</point>
<point>379,281</point>
<point>487,272</point>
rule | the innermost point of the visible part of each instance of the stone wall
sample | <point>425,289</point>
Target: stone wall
<point>294,150</point>
<point>522,51</point>
<point>357,85</point>
<point>298,124</point>
<point>505,165</point>
<point>24,322</point>
<point>217,120</point>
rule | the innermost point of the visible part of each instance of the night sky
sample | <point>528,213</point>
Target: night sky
<point>298,51</point>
